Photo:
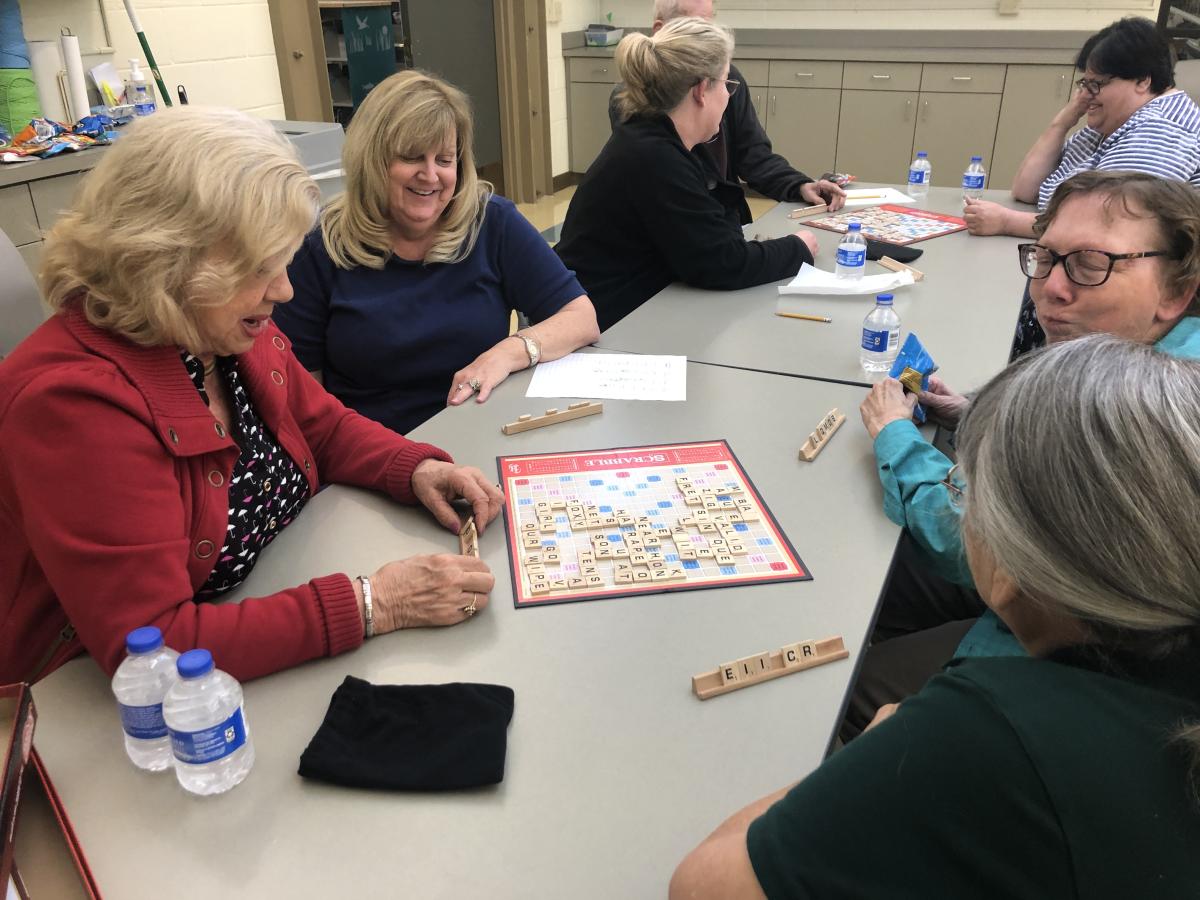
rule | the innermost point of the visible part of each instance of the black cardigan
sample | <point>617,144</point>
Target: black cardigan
<point>742,151</point>
<point>649,213</point>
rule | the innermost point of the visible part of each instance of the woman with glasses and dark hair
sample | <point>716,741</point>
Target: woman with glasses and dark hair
<point>648,211</point>
<point>1116,253</point>
<point>1073,771</point>
<point>1136,118</point>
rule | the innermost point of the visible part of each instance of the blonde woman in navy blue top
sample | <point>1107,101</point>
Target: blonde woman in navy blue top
<point>403,295</point>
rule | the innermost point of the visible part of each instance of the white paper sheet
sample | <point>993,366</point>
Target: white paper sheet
<point>811,280</point>
<point>611,376</point>
<point>858,197</point>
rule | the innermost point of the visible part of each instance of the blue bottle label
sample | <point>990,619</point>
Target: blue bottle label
<point>972,182</point>
<point>143,722</point>
<point>916,176</point>
<point>875,341</point>
<point>852,258</point>
<point>210,744</point>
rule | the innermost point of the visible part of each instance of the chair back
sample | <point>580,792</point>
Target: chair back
<point>21,309</point>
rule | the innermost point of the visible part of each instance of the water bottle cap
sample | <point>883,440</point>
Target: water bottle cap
<point>976,159</point>
<point>194,663</point>
<point>921,154</point>
<point>854,226</point>
<point>883,300</point>
<point>143,640</point>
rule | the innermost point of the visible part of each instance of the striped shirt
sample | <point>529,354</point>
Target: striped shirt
<point>1162,138</point>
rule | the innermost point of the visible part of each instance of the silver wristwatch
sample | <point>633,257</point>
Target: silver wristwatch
<point>531,347</point>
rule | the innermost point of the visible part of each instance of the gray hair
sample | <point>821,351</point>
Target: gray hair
<point>1083,467</point>
<point>659,71</point>
<point>666,10</point>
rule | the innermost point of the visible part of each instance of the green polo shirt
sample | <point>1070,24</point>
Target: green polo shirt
<point>1003,778</point>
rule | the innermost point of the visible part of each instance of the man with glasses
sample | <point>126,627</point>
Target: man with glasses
<point>741,150</point>
<point>1116,253</point>
<point>1136,119</point>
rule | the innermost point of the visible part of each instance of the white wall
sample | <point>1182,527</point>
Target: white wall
<point>575,15</point>
<point>221,50</point>
<point>899,14</point>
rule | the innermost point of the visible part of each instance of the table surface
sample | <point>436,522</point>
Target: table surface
<point>964,311</point>
<point>615,770</point>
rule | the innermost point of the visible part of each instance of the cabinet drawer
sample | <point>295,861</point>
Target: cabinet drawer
<point>53,196</point>
<point>593,70</point>
<point>955,78</point>
<point>890,76</point>
<point>753,70</point>
<point>16,215</point>
<point>809,73</point>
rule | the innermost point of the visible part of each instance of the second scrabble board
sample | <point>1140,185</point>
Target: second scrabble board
<point>611,523</point>
<point>895,224</point>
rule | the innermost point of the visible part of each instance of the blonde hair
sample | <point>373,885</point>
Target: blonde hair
<point>659,70</point>
<point>406,114</point>
<point>182,209</point>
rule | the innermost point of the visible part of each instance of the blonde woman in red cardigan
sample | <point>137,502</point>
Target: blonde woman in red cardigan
<point>156,433</point>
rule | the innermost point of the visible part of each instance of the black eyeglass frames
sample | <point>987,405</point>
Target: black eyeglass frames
<point>1086,268</point>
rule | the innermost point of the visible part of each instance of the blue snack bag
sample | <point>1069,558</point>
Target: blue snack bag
<point>912,368</point>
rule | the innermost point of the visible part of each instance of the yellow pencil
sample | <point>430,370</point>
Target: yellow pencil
<point>788,315</point>
<point>854,195</point>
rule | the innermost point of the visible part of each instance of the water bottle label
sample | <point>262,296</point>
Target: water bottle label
<point>875,341</point>
<point>852,258</point>
<point>143,722</point>
<point>143,109</point>
<point>916,176</point>
<point>973,182</point>
<point>210,744</point>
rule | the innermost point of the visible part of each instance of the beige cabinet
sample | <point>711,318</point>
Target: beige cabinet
<point>952,128</point>
<point>1032,97</point>
<point>588,127</point>
<point>801,123</point>
<point>875,134</point>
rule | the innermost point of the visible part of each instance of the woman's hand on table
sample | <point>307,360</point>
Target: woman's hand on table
<point>945,405</point>
<point>983,217</point>
<point>486,371</point>
<point>886,403</point>
<point>437,484</point>
<point>823,191</point>
<point>429,590</point>
<point>808,239</point>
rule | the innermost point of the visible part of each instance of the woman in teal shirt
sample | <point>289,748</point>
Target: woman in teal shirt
<point>1071,772</point>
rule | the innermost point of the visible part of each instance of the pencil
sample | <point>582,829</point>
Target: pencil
<point>807,211</point>
<point>788,315</point>
<point>854,195</point>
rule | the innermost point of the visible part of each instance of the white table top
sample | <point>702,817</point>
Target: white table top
<point>615,770</point>
<point>965,311</point>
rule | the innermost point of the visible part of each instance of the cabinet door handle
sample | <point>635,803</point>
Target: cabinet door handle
<point>1062,82</point>
<point>804,74</point>
<point>907,110</point>
<point>774,104</point>
<point>960,77</point>
<point>924,110</point>
<point>882,77</point>
<point>603,71</point>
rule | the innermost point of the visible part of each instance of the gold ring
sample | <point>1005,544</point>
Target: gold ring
<point>471,610</point>
<point>475,384</point>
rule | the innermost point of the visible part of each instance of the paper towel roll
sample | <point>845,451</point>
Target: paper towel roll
<point>76,86</point>
<point>46,63</point>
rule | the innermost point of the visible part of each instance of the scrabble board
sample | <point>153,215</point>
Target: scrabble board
<point>894,224</point>
<point>638,520</point>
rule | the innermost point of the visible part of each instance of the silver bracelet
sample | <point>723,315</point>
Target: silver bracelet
<point>368,612</point>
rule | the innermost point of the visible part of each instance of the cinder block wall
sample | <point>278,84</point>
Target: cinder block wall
<point>221,50</point>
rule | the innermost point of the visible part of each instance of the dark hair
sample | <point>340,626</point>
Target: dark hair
<point>1131,48</point>
<point>1173,205</point>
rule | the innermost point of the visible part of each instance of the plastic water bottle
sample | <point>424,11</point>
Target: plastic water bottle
<point>209,734</point>
<point>140,684</point>
<point>880,336</point>
<point>139,92</point>
<point>852,253</point>
<point>920,175</point>
<point>973,179</point>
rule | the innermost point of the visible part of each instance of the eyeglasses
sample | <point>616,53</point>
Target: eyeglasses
<point>1086,268</point>
<point>731,85</point>
<point>1093,85</point>
<point>956,491</point>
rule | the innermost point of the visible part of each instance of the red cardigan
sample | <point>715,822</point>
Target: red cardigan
<point>114,501</point>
